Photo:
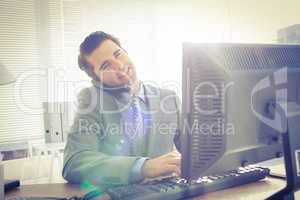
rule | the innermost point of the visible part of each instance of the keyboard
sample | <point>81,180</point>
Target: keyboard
<point>172,188</point>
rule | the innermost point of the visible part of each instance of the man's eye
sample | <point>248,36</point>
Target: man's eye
<point>106,65</point>
<point>118,54</point>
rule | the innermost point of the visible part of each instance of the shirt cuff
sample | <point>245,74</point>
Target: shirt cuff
<point>136,172</point>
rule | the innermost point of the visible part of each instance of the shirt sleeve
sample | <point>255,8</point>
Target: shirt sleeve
<point>136,172</point>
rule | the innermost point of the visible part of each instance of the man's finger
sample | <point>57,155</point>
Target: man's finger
<point>176,170</point>
<point>125,79</point>
<point>175,153</point>
<point>174,161</point>
<point>173,168</point>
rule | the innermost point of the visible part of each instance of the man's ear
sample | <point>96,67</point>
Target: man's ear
<point>88,68</point>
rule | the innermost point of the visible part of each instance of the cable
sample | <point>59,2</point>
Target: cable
<point>278,176</point>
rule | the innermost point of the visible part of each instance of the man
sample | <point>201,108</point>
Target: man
<point>124,129</point>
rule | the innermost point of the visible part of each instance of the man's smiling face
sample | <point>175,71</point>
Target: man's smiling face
<point>112,65</point>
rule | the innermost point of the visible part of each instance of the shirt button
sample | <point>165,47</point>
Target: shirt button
<point>121,141</point>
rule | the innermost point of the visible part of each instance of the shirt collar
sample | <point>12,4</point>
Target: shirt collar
<point>141,92</point>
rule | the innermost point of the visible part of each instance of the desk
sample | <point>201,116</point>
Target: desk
<point>257,190</point>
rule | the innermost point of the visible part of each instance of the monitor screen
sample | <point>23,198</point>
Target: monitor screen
<point>231,95</point>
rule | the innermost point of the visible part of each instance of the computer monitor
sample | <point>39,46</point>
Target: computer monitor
<point>230,92</point>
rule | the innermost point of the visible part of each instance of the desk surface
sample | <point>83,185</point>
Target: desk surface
<point>257,190</point>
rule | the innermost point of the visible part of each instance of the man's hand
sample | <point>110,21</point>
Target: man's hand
<point>162,165</point>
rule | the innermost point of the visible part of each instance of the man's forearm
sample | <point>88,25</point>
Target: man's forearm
<point>98,168</point>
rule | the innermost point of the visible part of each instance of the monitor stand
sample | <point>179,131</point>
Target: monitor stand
<point>291,148</point>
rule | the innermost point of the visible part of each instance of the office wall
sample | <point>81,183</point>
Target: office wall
<point>153,31</point>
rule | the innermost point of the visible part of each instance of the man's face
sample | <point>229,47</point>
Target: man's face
<point>112,65</point>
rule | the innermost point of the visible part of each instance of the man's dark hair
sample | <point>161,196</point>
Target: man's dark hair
<point>90,43</point>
